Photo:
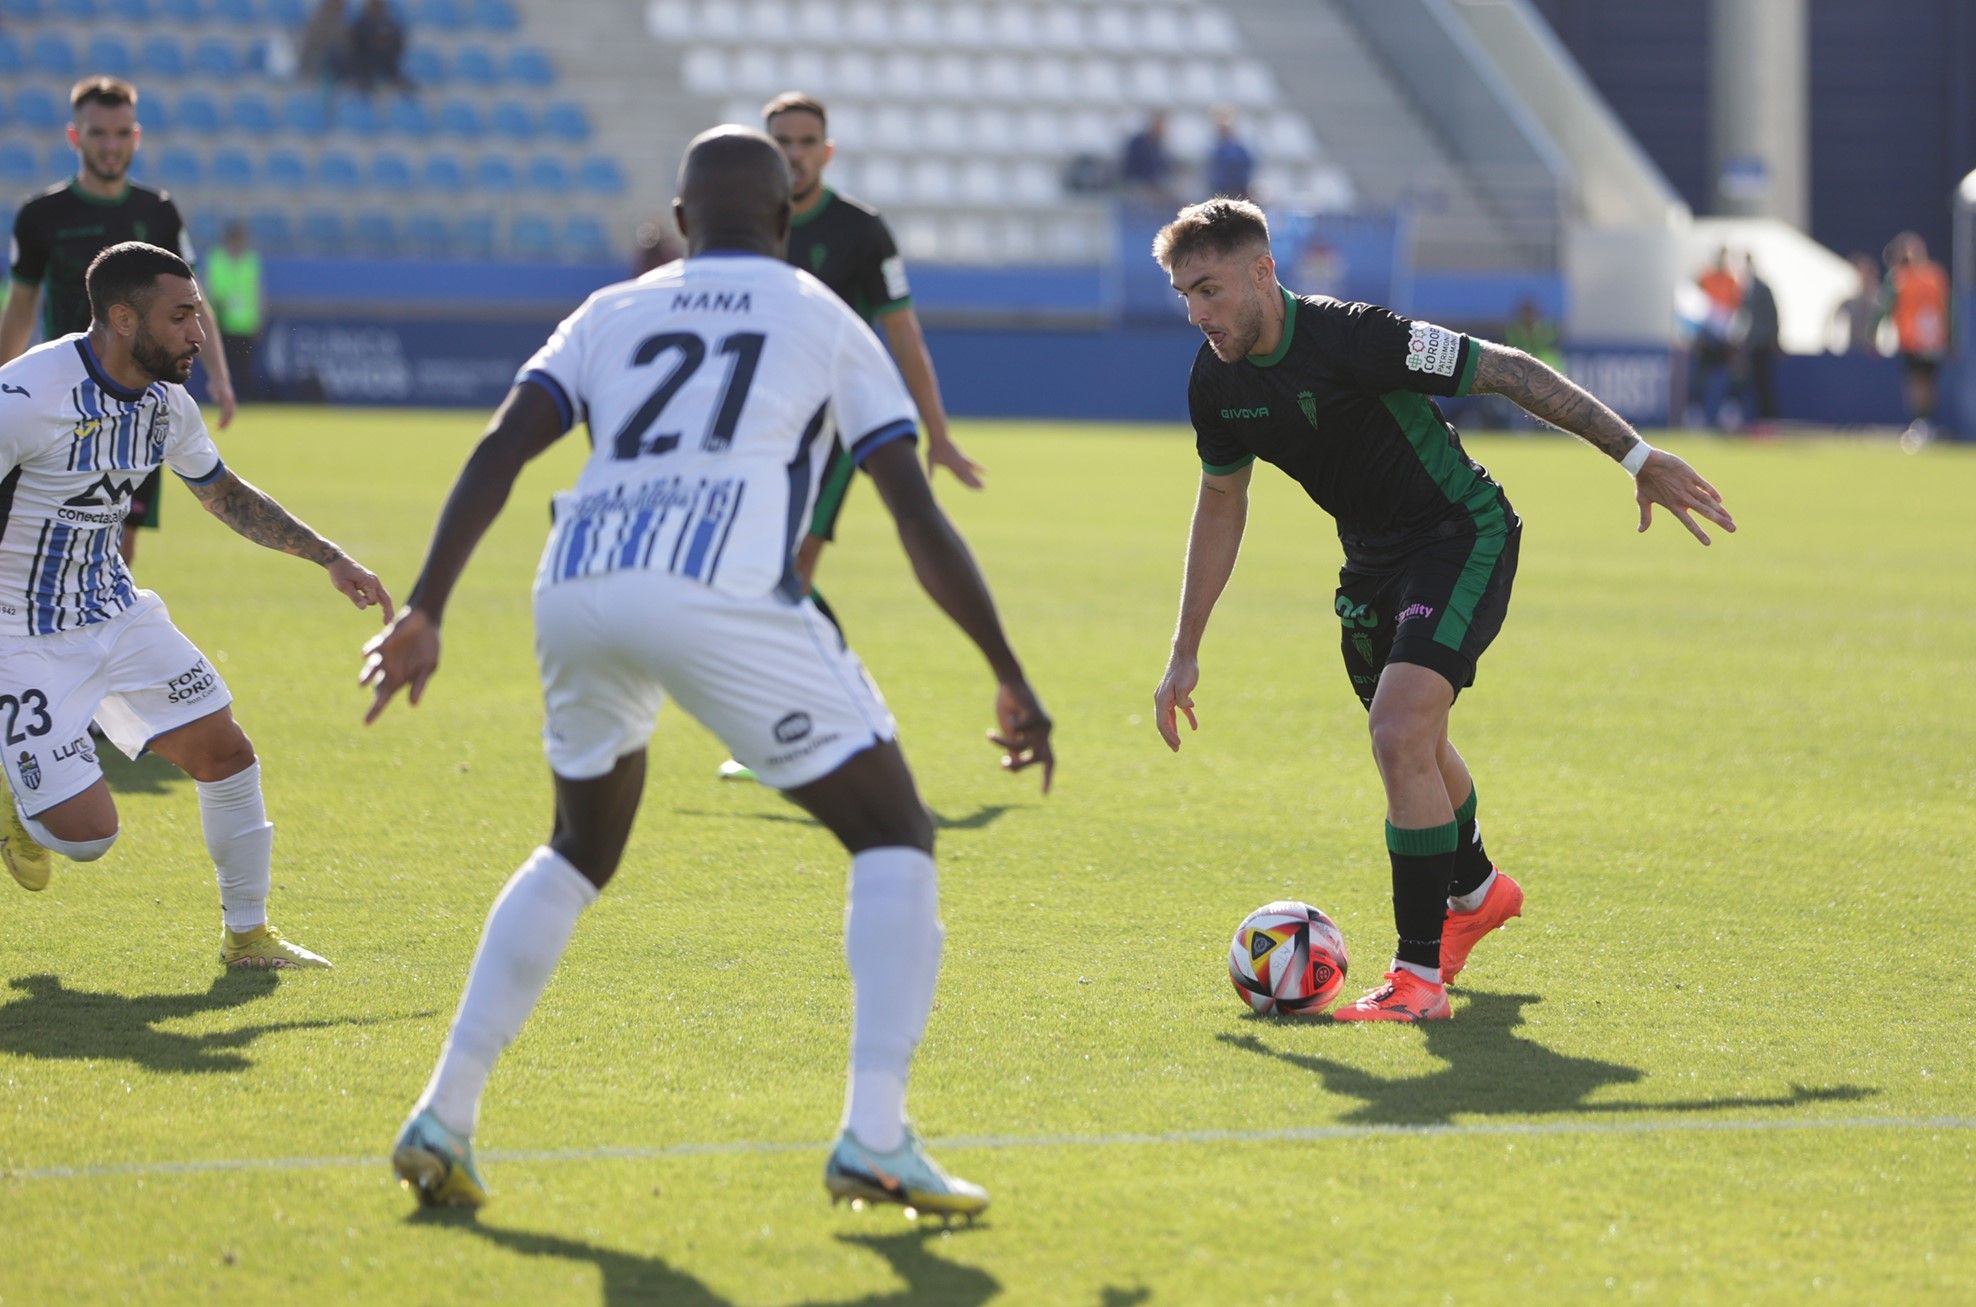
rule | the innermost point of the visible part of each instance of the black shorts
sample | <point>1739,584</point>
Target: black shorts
<point>1921,365</point>
<point>830,492</point>
<point>144,501</point>
<point>1439,609</point>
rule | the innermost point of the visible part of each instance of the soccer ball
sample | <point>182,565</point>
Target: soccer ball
<point>1288,957</point>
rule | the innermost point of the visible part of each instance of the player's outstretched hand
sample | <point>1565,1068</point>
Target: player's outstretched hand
<point>222,395</point>
<point>360,585</point>
<point>1176,695</point>
<point>941,451</point>
<point>405,653</point>
<point>1023,731</point>
<point>1671,483</point>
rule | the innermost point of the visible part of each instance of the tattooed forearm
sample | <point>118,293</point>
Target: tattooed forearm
<point>1542,392</point>
<point>259,518</point>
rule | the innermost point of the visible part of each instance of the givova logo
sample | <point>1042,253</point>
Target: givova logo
<point>1261,411</point>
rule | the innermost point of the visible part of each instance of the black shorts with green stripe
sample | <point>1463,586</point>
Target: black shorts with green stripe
<point>1439,609</point>
<point>145,501</point>
<point>830,492</point>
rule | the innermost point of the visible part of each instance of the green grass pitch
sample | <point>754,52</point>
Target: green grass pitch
<point>1725,1056</point>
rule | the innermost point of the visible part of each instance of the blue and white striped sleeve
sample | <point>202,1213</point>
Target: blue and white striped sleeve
<point>558,367</point>
<point>872,406</point>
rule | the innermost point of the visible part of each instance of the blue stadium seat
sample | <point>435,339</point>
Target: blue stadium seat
<point>154,113</point>
<point>511,121</point>
<point>205,226</point>
<point>441,15</point>
<point>60,161</point>
<point>287,170</point>
<point>357,115</point>
<point>532,237</point>
<point>18,166</point>
<point>233,167</point>
<point>375,233</point>
<point>253,114</point>
<point>3,118</point>
<point>601,174</point>
<point>474,237</point>
<point>21,11</point>
<point>391,173</point>
<point>548,174</point>
<point>443,173</point>
<point>306,113</point>
<point>586,241</point>
<point>79,11</point>
<point>37,108</point>
<point>427,236</point>
<point>52,55</point>
<point>337,170</point>
<point>476,64</point>
<point>235,13</point>
<point>198,113</point>
<point>270,232</point>
<point>323,233</point>
<point>180,13</point>
<point>109,54</point>
<point>496,16</point>
<point>407,116</point>
<point>493,173</point>
<point>127,11</point>
<point>529,66</point>
<point>12,62</point>
<point>460,118</point>
<point>566,121</point>
<point>289,13</point>
<point>162,56</point>
<point>178,166</point>
<point>215,57</point>
<point>426,66</point>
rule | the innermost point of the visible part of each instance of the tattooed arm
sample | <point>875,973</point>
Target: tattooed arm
<point>1659,477</point>
<point>254,514</point>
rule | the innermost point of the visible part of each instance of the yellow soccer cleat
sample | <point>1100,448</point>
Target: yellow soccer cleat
<point>263,949</point>
<point>436,1164</point>
<point>26,860</point>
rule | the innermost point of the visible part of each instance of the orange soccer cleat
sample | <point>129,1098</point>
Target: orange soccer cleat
<point>1464,930</point>
<point>1404,997</point>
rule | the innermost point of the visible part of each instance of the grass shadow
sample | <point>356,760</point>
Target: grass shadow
<point>150,774</point>
<point>54,1022</point>
<point>980,819</point>
<point>1493,1071</point>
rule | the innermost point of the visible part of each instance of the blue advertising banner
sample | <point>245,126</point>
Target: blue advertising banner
<point>423,363</point>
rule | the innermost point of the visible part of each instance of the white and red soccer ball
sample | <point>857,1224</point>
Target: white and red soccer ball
<point>1287,957</point>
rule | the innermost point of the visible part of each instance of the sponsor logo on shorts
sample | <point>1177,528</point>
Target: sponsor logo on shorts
<point>1416,610</point>
<point>1432,349</point>
<point>793,728</point>
<point>196,682</point>
<point>30,767</point>
<point>76,748</point>
<point>808,747</point>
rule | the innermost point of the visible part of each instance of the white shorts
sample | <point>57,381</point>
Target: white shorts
<point>135,674</point>
<point>772,679</point>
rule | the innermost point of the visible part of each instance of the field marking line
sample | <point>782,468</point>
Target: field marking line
<point>1287,1134</point>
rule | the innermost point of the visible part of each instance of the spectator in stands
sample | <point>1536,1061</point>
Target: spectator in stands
<point>232,278</point>
<point>1716,335</point>
<point>1916,297</point>
<point>377,48</point>
<point>1146,170</point>
<point>1859,316</point>
<point>1231,164</point>
<point>325,53</point>
<point>1759,347</point>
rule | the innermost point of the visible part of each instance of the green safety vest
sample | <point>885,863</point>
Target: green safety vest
<point>234,286</point>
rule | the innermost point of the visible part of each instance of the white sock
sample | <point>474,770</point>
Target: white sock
<point>241,842</point>
<point>1472,900</point>
<point>526,932</point>
<point>892,937</point>
<point>1429,974</point>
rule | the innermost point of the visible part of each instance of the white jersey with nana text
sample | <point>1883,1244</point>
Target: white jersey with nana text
<point>713,388</point>
<point>74,446</point>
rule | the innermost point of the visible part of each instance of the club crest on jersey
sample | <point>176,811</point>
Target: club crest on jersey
<point>161,430</point>
<point>1432,349</point>
<point>1308,403</point>
<point>30,770</point>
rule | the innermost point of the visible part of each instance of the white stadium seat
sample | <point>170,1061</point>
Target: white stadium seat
<point>952,76</point>
<point>966,25</point>
<point>722,20</point>
<point>917,24</point>
<point>669,21</point>
<point>705,71</point>
<point>1050,80</point>
<point>868,24</point>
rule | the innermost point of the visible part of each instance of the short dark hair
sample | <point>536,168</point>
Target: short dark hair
<point>1217,226</point>
<point>126,273</point>
<point>795,102</point>
<point>110,92</point>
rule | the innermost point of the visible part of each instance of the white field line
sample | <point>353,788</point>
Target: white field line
<point>1288,1134</point>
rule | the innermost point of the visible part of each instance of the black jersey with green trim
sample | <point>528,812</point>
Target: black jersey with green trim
<point>60,231</point>
<point>1341,406</point>
<point>848,247</point>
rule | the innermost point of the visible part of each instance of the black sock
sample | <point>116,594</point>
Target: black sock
<point>1472,865</point>
<point>1423,863</point>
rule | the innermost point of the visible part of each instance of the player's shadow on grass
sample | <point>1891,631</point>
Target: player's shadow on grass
<point>630,1278</point>
<point>49,1020</point>
<point>150,774</point>
<point>980,819</point>
<point>1492,1070</point>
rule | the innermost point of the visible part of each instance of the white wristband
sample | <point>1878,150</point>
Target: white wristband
<point>1636,458</point>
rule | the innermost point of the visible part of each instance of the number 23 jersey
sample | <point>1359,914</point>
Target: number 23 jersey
<point>712,388</point>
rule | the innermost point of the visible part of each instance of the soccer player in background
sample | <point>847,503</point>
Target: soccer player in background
<point>708,386</point>
<point>1916,297</point>
<point>1335,395</point>
<point>83,418</point>
<point>60,231</point>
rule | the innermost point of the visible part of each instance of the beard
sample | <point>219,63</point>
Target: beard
<point>114,171</point>
<point>1246,330</point>
<point>161,363</point>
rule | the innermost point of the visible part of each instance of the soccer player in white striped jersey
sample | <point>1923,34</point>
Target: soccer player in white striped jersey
<point>84,419</point>
<point>712,388</point>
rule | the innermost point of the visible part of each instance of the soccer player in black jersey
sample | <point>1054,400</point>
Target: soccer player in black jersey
<point>1336,395</point>
<point>59,232</point>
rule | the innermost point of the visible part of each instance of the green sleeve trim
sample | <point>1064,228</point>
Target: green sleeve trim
<point>1224,469</point>
<point>26,281</point>
<point>1422,843</point>
<point>1466,812</point>
<point>892,307</point>
<point>1466,382</point>
<point>1275,356</point>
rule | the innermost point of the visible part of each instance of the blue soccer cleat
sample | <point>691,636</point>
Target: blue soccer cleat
<point>906,1176</point>
<point>436,1164</point>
